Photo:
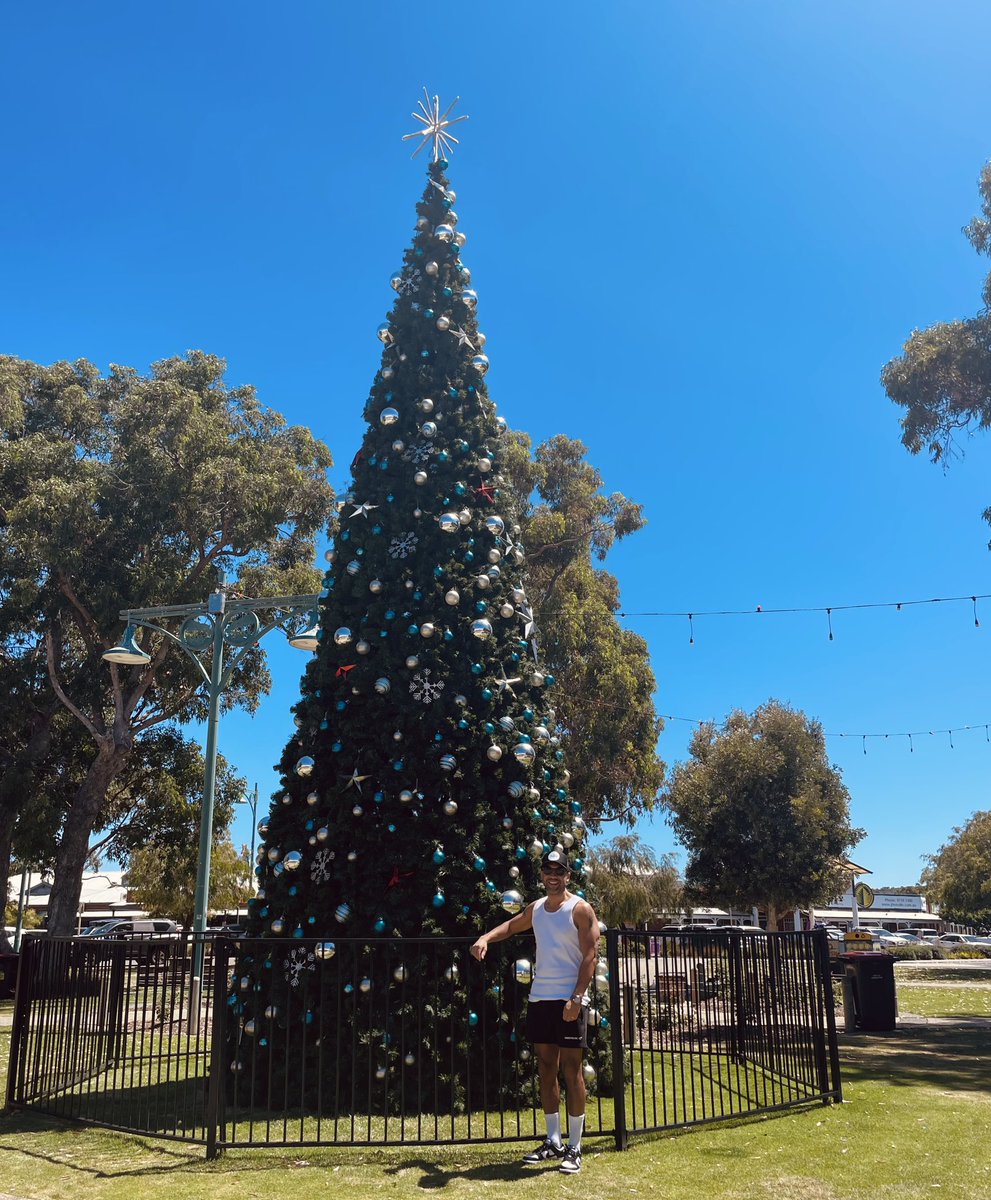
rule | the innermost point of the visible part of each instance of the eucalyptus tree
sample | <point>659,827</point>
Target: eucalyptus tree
<point>128,489</point>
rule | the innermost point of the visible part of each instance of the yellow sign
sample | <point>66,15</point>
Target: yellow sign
<point>865,896</point>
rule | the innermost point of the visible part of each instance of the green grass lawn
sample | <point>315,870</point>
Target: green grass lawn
<point>946,1000</point>
<point>916,1119</point>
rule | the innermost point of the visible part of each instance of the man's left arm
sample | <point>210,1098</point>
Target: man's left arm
<point>587,925</point>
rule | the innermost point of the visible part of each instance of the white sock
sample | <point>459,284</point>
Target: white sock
<point>575,1127</point>
<point>554,1127</point>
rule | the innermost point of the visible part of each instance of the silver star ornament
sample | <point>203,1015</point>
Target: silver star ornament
<point>435,126</point>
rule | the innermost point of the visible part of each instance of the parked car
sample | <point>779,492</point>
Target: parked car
<point>889,939</point>
<point>134,929</point>
<point>923,932</point>
<point>953,941</point>
<point>912,939</point>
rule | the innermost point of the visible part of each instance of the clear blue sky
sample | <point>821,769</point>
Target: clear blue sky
<point>697,232</point>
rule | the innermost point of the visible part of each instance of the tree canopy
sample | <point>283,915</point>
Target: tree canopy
<point>631,883</point>
<point>606,709</point>
<point>762,813</point>
<point>942,378</point>
<point>123,490</point>
<point>958,876</point>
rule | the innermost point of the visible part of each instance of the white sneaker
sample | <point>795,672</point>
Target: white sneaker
<point>571,1164</point>
<point>547,1152</point>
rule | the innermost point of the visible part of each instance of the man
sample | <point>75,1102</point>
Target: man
<point>567,934</point>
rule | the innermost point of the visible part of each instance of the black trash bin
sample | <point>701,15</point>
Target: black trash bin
<point>871,979</point>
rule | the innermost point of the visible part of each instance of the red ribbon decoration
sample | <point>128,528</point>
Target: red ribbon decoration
<point>342,671</point>
<point>357,459</point>
<point>397,877</point>
<point>486,490</point>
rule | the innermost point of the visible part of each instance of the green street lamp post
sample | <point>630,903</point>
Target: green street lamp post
<point>251,799</point>
<point>205,631</point>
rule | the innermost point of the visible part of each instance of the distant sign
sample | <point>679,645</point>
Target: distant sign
<point>864,894</point>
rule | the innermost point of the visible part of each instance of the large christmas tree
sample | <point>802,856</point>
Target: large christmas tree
<point>425,778</point>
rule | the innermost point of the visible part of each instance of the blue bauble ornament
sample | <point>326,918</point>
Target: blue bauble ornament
<point>380,925</point>
<point>439,900</point>
<point>472,1018</point>
<point>438,572</point>
<point>469,557</point>
<point>479,864</point>
<point>476,668</point>
<point>486,693</point>
<point>439,856</point>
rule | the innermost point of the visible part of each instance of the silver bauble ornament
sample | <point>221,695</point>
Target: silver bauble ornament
<point>396,281</point>
<point>293,860</point>
<point>305,766</point>
<point>481,338</point>
<point>450,807</point>
<point>452,597</point>
<point>517,790</point>
<point>494,554</point>
<point>484,465</point>
<point>460,239</point>
<point>425,405</point>
<point>365,985</point>
<point>470,297</point>
<point>311,799</point>
<point>541,734</point>
<point>330,554</point>
<point>444,233</point>
<point>511,901</point>
<point>567,840</point>
<point>387,373</point>
<point>483,582</point>
<point>449,522</point>
<point>353,567</point>
<point>523,970</point>
<point>325,950</point>
<point>481,363</point>
<point>250,1028</point>
<point>375,586</point>
<point>352,854</point>
<point>382,685</point>
<point>409,1058</point>
<point>507,723</point>
<point>273,854</point>
<point>501,425</point>
<point>412,661</point>
<point>481,629</point>
<point>507,823</point>
<point>494,752</point>
<point>420,478</point>
<point>514,872</point>
<point>448,762</point>
<point>464,516</point>
<point>278,926</point>
<point>461,700</point>
<point>443,323</point>
<point>342,914</point>
<point>384,333</point>
<point>427,629</point>
<point>422,223</point>
<point>271,1012</point>
<point>506,610</point>
<point>381,1072</point>
<point>519,595</point>
<point>524,753</point>
<point>323,833</point>
<point>399,974</point>
<point>537,848</point>
<point>398,446</point>
<point>431,267</point>
<point>429,429</point>
<point>362,647</point>
<point>588,1072</point>
<point>405,796</point>
<point>355,812</point>
<point>343,636</point>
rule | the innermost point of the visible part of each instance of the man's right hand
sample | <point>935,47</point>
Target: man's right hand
<point>478,951</point>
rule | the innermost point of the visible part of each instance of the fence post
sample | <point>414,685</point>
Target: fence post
<point>22,999</point>
<point>618,1062</point>
<point>824,979</point>
<point>218,1039</point>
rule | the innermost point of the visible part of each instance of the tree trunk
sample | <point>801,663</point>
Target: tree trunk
<point>80,821</point>
<point>6,838</point>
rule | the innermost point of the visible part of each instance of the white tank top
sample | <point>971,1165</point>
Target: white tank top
<point>559,955</point>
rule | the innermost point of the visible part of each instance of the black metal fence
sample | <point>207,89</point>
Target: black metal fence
<point>385,1042</point>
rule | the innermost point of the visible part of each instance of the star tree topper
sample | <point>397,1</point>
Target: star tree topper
<point>434,125</point>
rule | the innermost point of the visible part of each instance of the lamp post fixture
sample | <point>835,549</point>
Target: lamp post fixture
<point>251,799</point>
<point>205,631</point>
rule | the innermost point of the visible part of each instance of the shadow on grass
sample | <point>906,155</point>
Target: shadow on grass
<point>945,1056</point>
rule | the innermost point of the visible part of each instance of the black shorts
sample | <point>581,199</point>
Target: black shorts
<point>545,1023</point>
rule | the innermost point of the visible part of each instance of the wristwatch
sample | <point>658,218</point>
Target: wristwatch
<point>576,999</point>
